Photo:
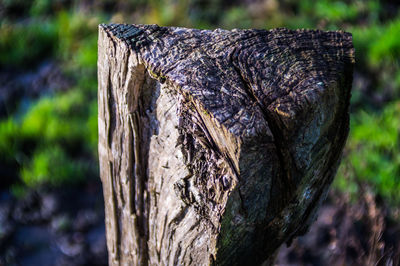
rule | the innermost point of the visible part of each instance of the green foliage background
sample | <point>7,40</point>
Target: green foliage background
<point>53,141</point>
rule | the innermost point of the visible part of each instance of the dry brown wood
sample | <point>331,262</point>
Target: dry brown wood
<point>216,147</point>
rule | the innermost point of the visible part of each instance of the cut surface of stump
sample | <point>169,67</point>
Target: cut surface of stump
<point>216,147</point>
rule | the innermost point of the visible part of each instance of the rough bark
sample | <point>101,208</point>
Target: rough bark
<point>216,147</point>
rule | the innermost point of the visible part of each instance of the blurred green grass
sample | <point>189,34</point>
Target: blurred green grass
<point>54,142</point>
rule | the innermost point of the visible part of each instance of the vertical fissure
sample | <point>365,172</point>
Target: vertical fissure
<point>281,152</point>
<point>115,216</point>
<point>132,183</point>
<point>111,110</point>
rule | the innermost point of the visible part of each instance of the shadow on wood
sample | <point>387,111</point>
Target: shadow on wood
<point>216,147</point>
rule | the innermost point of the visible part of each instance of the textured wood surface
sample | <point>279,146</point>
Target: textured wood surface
<point>216,147</point>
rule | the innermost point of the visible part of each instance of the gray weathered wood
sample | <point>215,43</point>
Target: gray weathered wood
<point>216,147</point>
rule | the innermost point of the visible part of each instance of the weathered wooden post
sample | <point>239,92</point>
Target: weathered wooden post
<point>217,146</point>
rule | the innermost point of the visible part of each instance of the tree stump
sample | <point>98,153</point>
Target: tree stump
<point>216,147</point>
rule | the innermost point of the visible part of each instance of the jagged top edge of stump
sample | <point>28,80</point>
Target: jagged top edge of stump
<point>236,75</point>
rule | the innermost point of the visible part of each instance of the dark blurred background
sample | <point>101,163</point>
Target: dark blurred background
<point>51,206</point>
